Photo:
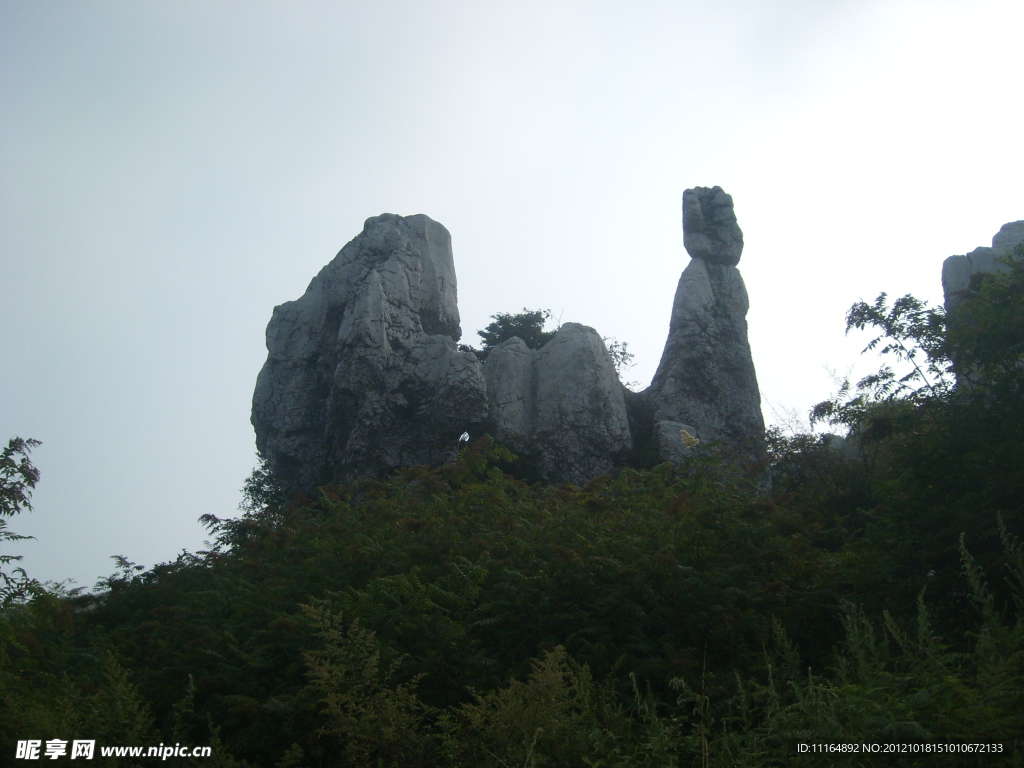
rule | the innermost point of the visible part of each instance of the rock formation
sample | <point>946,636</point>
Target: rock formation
<point>563,405</point>
<point>364,375</point>
<point>705,383</point>
<point>957,271</point>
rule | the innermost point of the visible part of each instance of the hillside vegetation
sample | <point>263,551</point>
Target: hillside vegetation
<point>460,616</point>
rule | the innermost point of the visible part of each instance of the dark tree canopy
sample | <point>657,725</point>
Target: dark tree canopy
<point>528,325</point>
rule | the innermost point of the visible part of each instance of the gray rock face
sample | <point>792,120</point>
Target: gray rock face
<point>957,271</point>
<point>710,230</point>
<point>511,375</point>
<point>562,405</point>
<point>706,376</point>
<point>363,373</point>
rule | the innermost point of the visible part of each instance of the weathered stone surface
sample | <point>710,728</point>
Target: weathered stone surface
<point>581,429</point>
<point>363,373</point>
<point>957,271</point>
<point>710,230</point>
<point>511,378</point>
<point>561,406</point>
<point>705,383</point>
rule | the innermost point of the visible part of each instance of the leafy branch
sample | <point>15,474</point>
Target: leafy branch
<point>18,477</point>
<point>909,331</point>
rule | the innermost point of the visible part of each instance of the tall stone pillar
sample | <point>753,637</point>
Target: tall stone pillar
<point>705,386</point>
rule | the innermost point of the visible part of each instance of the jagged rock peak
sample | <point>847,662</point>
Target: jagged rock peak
<point>710,230</point>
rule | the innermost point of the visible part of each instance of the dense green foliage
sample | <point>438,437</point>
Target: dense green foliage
<point>939,459</point>
<point>459,616</point>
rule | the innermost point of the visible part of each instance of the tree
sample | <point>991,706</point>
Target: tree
<point>980,341</point>
<point>621,357</point>
<point>938,443</point>
<point>261,489</point>
<point>528,325</point>
<point>911,332</point>
<point>17,479</point>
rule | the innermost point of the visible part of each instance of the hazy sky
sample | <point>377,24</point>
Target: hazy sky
<point>169,171</point>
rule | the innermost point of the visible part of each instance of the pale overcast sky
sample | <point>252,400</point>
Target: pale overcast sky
<point>170,171</point>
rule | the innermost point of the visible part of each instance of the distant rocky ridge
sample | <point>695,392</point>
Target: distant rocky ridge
<point>957,271</point>
<point>364,375</point>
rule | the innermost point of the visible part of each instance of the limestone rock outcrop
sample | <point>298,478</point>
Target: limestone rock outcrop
<point>363,372</point>
<point>705,383</point>
<point>957,271</point>
<point>562,405</point>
